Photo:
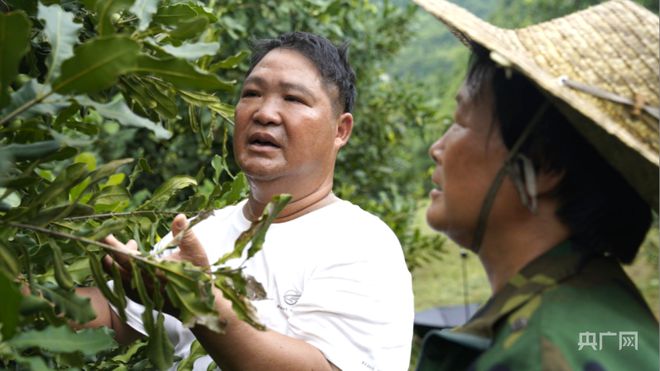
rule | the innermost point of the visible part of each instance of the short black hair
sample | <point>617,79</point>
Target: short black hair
<point>330,60</point>
<point>601,209</point>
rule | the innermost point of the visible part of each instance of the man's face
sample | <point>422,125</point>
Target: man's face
<point>467,158</point>
<point>286,128</point>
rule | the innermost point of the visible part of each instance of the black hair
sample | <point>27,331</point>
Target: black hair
<point>603,212</point>
<point>330,60</point>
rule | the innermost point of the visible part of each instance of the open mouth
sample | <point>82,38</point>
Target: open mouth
<point>263,140</point>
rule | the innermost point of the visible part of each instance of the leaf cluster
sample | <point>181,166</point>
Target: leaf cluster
<point>75,76</point>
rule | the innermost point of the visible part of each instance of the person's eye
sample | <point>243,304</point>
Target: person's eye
<point>248,93</point>
<point>294,99</point>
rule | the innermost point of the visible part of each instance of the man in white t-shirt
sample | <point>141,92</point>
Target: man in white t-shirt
<point>338,294</point>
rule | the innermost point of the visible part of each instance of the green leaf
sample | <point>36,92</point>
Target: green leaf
<point>30,151</point>
<point>144,10</point>
<point>230,62</point>
<point>112,199</point>
<point>159,348</point>
<point>9,304</point>
<point>63,340</point>
<point>118,110</point>
<point>192,308</point>
<point>191,51</point>
<point>62,276</point>
<point>166,190</point>
<point>33,363</point>
<point>209,101</point>
<point>181,74</point>
<point>105,10</point>
<point>71,176</point>
<point>28,94</point>
<point>8,262</point>
<point>14,43</point>
<point>78,270</point>
<point>173,14</point>
<point>62,34</point>
<point>257,231</point>
<point>29,6</point>
<point>102,284</point>
<point>151,94</point>
<point>88,159</point>
<point>237,190</point>
<point>189,28</point>
<point>196,351</point>
<point>68,303</point>
<point>97,64</point>
<point>46,215</point>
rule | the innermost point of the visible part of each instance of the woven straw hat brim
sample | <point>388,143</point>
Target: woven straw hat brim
<point>614,47</point>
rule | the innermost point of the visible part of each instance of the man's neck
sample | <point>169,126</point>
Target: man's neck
<point>301,203</point>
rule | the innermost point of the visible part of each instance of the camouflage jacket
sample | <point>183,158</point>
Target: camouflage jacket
<point>565,310</point>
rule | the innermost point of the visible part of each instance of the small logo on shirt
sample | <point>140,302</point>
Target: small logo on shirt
<point>291,297</point>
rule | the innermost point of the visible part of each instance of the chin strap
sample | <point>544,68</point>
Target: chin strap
<point>507,169</point>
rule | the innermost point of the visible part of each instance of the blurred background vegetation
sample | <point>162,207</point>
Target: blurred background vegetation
<point>408,66</point>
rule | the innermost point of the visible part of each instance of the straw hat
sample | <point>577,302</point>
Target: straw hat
<point>599,66</point>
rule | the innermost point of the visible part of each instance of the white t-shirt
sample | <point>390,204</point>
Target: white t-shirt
<point>335,278</point>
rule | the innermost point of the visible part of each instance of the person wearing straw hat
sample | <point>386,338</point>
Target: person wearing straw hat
<point>550,175</point>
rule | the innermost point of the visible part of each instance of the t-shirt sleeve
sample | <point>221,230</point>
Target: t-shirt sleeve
<point>357,308</point>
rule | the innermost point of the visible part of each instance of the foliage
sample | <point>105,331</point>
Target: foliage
<point>73,75</point>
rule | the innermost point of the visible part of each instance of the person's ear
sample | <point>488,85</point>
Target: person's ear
<point>344,129</point>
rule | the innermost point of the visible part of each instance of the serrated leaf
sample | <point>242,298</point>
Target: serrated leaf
<point>63,340</point>
<point>97,64</point>
<point>73,306</point>
<point>112,199</point>
<point>144,10</point>
<point>118,110</point>
<point>190,51</point>
<point>62,34</point>
<point>14,43</point>
<point>105,10</point>
<point>181,74</point>
<point>11,299</point>
<point>166,190</point>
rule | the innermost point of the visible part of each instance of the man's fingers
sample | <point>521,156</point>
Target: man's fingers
<point>190,248</point>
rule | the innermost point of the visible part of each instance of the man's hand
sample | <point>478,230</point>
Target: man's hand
<point>189,249</point>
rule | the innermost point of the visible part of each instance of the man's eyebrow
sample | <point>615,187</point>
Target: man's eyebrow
<point>284,85</point>
<point>254,80</point>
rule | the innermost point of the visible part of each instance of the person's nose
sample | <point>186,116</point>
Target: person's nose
<point>435,150</point>
<point>268,112</point>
